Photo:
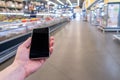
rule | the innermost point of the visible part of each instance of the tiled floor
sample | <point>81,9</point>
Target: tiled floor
<point>81,52</point>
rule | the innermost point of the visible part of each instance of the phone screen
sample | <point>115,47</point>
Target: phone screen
<point>40,43</point>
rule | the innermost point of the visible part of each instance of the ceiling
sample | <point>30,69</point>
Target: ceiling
<point>72,1</point>
<point>65,1</point>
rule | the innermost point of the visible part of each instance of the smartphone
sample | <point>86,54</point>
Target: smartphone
<point>40,43</point>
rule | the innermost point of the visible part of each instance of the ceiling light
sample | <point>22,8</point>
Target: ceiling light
<point>60,2</point>
<point>50,2</point>
<point>78,2</point>
<point>69,2</point>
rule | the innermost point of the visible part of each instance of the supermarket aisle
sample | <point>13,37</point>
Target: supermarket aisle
<point>81,52</point>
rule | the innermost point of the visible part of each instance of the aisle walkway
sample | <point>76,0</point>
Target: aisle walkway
<point>81,52</point>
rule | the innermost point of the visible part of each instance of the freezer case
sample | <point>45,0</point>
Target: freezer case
<point>113,15</point>
<point>110,20</point>
<point>11,30</point>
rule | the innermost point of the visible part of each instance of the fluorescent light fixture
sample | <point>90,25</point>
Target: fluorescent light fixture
<point>78,2</point>
<point>69,2</point>
<point>50,2</point>
<point>60,2</point>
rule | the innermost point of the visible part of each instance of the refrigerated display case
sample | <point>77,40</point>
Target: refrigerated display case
<point>110,17</point>
<point>11,29</point>
<point>12,26</point>
<point>113,13</point>
<point>95,13</point>
<point>103,16</point>
<point>84,15</point>
<point>12,34</point>
<point>8,31</point>
<point>92,17</point>
<point>117,36</point>
<point>88,16</point>
<point>98,16</point>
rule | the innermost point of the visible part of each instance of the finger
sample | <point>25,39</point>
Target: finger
<point>39,60</point>
<point>51,38</point>
<point>43,60</point>
<point>27,42</point>
<point>51,50</point>
<point>51,43</point>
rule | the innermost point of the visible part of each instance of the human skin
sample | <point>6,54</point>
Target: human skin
<point>22,66</point>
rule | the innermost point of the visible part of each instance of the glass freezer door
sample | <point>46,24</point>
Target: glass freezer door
<point>113,14</point>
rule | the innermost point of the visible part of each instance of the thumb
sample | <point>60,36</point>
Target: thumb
<point>27,42</point>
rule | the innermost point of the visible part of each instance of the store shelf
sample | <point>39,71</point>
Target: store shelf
<point>11,5</point>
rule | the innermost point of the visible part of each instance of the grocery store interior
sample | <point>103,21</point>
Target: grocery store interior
<point>86,33</point>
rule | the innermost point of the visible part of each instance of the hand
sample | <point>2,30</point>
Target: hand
<point>22,57</point>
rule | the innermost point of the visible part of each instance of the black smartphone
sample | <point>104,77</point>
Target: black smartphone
<point>40,43</point>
